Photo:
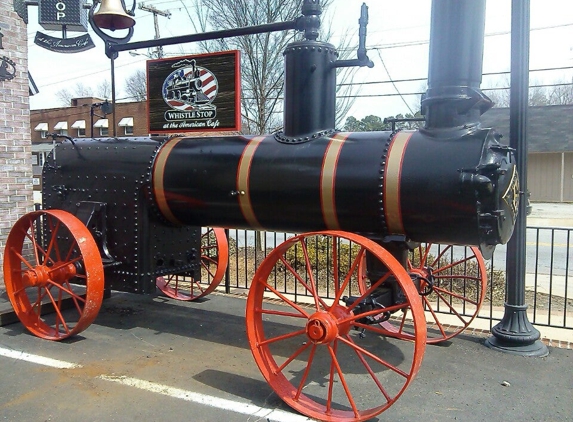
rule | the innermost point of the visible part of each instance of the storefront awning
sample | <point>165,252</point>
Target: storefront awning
<point>61,126</point>
<point>126,121</point>
<point>101,123</point>
<point>41,127</point>
<point>79,124</point>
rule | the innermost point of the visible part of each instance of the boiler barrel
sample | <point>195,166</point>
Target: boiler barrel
<point>461,190</point>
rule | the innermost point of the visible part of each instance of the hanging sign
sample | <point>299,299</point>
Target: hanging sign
<point>64,15</point>
<point>53,14</point>
<point>196,93</point>
<point>64,45</point>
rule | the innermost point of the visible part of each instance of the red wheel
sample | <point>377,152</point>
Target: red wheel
<point>452,283</point>
<point>214,261</point>
<point>323,357</point>
<point>50,259</point>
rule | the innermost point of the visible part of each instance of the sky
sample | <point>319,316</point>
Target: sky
<point>397,43</point>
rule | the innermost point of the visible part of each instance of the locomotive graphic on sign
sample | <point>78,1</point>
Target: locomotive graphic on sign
<point>191,88</point>
<point>194,93</point>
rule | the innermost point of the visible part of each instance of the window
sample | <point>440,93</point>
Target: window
<point>80,126</point>
<point>102,124</point>
<point>62,128</point>
<point>127,124</point>
<point>43,129</point>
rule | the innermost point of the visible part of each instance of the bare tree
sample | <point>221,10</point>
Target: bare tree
<point>561,93</point>
<point>136,86</point>
<point>80,90</point>
<point>262,69</point>
<point>538,95</point>
<point>104,89</point>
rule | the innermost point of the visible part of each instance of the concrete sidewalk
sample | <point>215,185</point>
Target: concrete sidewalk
<point>547,214</point>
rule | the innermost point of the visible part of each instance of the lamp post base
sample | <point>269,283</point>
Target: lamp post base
<point>514,334</point>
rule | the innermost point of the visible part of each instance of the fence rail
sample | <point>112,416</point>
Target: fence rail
<point>549,289</point>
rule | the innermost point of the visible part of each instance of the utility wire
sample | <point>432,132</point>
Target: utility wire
<point>393,84</point>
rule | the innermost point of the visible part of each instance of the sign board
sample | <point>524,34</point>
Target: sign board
<point>198,93</point>
<point>64,45</point>
<point>53,14</point>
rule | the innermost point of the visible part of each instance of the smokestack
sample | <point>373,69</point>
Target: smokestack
<point>454,98</point>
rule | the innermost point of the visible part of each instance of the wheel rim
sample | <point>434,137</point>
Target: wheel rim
<point>310,354</point>
<point>52,259</point>
<point>214,261</point>
<point>459,286</point>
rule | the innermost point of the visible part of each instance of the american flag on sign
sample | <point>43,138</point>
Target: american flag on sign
<point>183,91</point>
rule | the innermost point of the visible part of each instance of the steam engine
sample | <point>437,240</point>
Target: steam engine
<point>148,197</point>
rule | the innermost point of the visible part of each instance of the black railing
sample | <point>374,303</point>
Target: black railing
<point>549,285</point>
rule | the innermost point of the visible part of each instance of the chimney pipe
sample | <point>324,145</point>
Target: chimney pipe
<point>454,98</point>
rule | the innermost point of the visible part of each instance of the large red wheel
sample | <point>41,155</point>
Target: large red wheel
<point>452,282</point>
<point>52,259</point>
<point>321,356</point>
<point>214,261</point>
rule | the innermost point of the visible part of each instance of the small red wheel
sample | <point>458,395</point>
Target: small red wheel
<point>214,261</point>
<point>452,284</point>
<point>320,355</point>
<point>50,259</point>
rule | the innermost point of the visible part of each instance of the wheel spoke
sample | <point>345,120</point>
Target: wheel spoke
<point>76,299</point>
<point>440,291</point>
<point>296,354</point>
<point>452,309</point>
<point>306,371</point>
<point>287,300</point>
<point>374,312</point>
<point>57,309</point>
<point>298,277</point>
<point>434,316</point>
<point>53,245</point>
<point>336,364</point>
<point>440,254</point>
<point>453,264</point>
<point>371,372</point>
<point>67,290</point>
<point>371,289</point>
<point>22,260</point>
<point>283,337</point>
<point>282,313</point>
<point>351,271</point>
<point>372,356</point>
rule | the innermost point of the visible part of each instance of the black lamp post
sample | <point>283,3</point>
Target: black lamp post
<point>514,333</point>
<point>112,15</point>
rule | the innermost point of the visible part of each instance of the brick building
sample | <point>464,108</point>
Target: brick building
<point>15,162</point>
<point>85,118</point>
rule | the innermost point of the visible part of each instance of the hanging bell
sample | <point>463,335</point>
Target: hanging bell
<point>112,15</point>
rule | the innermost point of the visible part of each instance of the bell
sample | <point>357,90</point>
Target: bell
<point>112,15</point>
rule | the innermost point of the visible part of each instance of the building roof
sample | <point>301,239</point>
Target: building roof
<point>549,128</point>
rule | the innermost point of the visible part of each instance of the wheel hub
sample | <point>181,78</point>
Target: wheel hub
<point>41,275</point>
<point>323,327</point>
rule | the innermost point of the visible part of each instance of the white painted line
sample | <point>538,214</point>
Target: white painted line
<point>40,360</point>
<point>271,415</point>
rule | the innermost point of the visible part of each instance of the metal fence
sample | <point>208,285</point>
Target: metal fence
<point>549,291</point>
